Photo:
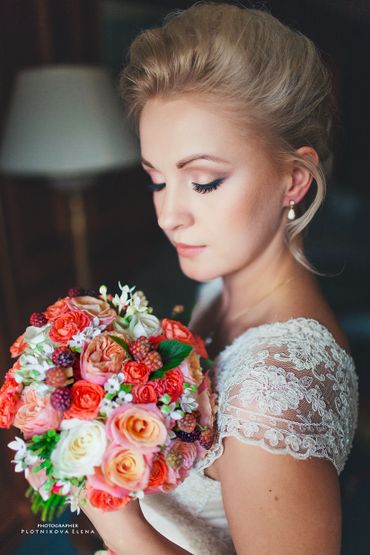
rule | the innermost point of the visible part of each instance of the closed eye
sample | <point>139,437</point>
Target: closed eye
<point>198,187</point>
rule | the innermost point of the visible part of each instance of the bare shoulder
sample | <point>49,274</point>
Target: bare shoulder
<point>278,504</point>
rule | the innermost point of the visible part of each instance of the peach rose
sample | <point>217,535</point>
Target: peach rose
<point>125,467</point>
<point>105,501</point>
<point>191,369</point>
<point>158,474</point>
<point>102,358</point>
<point>67,325</point>
<point>93,307</point>
<point>57,309</point>
<point>9,405</point>
<point>18,347</point>
<point>86,398</point>
<point>36,415</point>
<point>138,426</point>
<point>135,372</point>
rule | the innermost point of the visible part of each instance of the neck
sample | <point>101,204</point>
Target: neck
<point>243,289</point>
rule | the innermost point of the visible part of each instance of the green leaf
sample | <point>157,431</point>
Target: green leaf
<point>206,363</point>
<point>121,343</point>
<point>173,353</point>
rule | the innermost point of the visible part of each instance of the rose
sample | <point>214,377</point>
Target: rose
<point>36,415</point>
<point>187,453</point>
<point>10,385</point>
<point>158,474</point>
<point>206,402</point>
<point>94,308</point>
<point>145,324</point>
<point>9,405</point>
<point>105,501</point>
<point>18,347</point>
<point>81,447</point>
<point>191,369</point>
<point>86,398</point>
<point>174,383</point>
<point>67,325</point>
<point>177,331</point>
<point>102,358</point>
<point>125,467</point>
<point>144,393</point>
<point>57,309</point>
<point>135,372</point>
<point>139,426</point>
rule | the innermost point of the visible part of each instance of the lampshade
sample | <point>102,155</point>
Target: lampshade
<point>65,121</point>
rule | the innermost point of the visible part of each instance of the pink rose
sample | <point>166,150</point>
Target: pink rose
<point>139,426</point>
<point>36,415</point>
<point>93,307</point>
<point>102,358</point>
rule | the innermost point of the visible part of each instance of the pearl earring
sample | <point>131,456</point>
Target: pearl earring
<point>291,213</point>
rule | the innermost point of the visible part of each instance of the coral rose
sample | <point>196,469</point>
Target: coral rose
<point>93,307</point>
<point>102,358</point>
<point>144,393</point>
<point>176,331</point>
<point>86,398</point>
<point>18,347</point>
<point>67,325</point>
<point>9,405</point>
<point>125,467</point>
<point>57,309</point>
<point>139,426</point>
<point>191,369</point>
<point>10,385</point>
<point>135,372</point>
<point>158,474</point>
<point>174,383</point>
<point>36,415</point>
<point>105,501</point>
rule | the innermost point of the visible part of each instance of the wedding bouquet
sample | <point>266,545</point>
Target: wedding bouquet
<point>108,398</point>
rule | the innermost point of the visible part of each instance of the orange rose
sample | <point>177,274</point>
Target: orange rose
<point>144,393</point>
<point>9,405</point>
<point>18,347</point>
<point>86,397</point>
<point>158,473</point>
<point>102,357</point>
<point>125,468</point>
<point>105,501</point>
<point>135,372</point>
<point>10,385</point>
<point>177,331</point>
<point>67,325</point>
<point>56,309</point>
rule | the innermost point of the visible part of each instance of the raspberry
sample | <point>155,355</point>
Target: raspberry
<point>61,398</point>
<point>188,423</point>
<point>206,438</point>
<point>64,357</point>
<point>153,361</point>
<point>188,437</point>
<point>38,319</point>
<point>140,348</point>
<point>56,377</point>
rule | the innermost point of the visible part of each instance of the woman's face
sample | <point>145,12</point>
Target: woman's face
<point>217,192</point>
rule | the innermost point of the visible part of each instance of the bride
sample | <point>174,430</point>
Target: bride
<point>233,111</point>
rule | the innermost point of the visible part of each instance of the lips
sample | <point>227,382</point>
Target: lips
<point>185,246</point>
<point>188,250</point>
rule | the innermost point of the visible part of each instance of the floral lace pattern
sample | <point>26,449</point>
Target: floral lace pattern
<point>290,388</point>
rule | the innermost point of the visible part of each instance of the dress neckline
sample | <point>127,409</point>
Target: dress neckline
<point>280,325</point>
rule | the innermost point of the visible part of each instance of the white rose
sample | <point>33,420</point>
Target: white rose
<point>144,324</point>
<point>81,447</point>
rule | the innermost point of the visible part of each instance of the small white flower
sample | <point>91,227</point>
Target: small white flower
<point>103,290</point>
<point>137,494</point>
<point>177,414</point>
<point>187,401</point>
<point>120,301</point>
<point>94,329</point>
<point>114,383</point>
<point>22,457</point>
<point>124,397</point>
<point>138,303</point>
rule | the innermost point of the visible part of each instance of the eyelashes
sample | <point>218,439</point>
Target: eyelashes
<point>202,189</point>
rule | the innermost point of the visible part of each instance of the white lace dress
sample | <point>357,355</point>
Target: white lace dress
<point>287,387</point>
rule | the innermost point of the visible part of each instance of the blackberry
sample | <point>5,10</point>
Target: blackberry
<point>61,398</point>
<point>188,437</point>
<point>38,319</point>
<point>63,357</point>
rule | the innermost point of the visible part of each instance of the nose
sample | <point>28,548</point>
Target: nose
<point>173,209</point>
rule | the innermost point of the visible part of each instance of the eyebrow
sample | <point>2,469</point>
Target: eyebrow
<point>189,159</point>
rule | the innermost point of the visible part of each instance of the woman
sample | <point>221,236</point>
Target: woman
<point>233,110</point>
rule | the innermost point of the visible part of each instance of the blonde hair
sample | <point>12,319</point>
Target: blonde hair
<point>265,76</point>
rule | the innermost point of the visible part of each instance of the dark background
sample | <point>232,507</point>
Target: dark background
<point>124,242</point>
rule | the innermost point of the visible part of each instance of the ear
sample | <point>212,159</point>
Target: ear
<point>300,178</point>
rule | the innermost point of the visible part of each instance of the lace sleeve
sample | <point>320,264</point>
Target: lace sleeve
<point>294,396</point>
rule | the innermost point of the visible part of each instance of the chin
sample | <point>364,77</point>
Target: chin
<point>197,272</point>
